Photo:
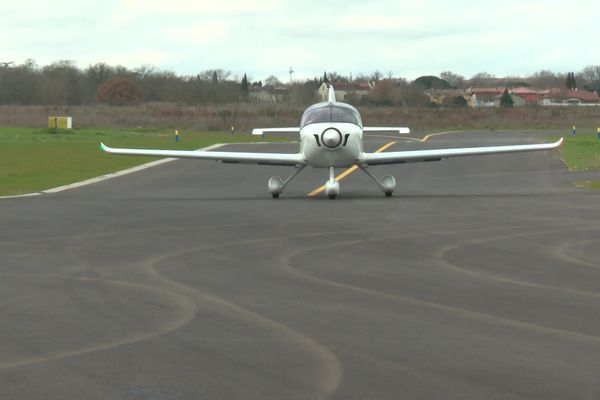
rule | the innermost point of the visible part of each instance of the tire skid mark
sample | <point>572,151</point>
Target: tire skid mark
<point>328,371</point>
<point>562,251</point>
<point>122,232</point>
<point>287,264</point>
<point>331,373</point>
<point>441,256</point>
<point>188,297</point>
<point>182,302</point>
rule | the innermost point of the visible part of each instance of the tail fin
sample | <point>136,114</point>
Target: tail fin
<point>330,94</point>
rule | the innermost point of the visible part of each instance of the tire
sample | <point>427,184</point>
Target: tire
<point>275,195</point>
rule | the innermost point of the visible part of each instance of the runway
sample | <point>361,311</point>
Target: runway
<point>478,279</point>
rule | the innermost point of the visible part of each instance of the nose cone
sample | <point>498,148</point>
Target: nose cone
<point>331,138</point>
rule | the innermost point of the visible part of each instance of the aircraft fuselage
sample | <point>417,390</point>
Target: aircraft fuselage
<point>331,135</point>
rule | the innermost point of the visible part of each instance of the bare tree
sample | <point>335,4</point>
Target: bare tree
<point>375,76</point>
<point>483,79</point>
<point>61,83</point>
<point>455,80</point>
<point>118,92</point>
<point>272,81</point>
<point>590,73</point>
<point>545,79</point>
<point>591,77</point>
<point>207,75</point>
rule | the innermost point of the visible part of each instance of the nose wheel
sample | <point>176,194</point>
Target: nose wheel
<point>332,187</point>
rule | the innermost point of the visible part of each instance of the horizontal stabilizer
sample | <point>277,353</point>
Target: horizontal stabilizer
<point>262,131</point>
<point>387,129</point>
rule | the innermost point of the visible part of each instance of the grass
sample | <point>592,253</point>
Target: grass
<point>37,159</point>
<point>581,152</point>
<point>595,185</point>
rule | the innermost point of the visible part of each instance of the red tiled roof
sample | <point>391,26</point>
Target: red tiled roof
<point>524,90</point>
<point>530,95</point>
<point>580,94</point>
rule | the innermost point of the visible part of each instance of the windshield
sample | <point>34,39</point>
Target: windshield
<point>330,113</point>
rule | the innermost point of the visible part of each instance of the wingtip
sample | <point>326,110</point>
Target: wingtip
<point>560,142</point>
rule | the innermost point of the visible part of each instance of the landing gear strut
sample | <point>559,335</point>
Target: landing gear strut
<point>332,187</point>
<point>387,184</point>
<point>276,184</point>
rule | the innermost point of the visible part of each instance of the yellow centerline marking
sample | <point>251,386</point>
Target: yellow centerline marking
<point>349,170</point>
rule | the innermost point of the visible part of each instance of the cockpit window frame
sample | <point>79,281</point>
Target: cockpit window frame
<point>330,117</point>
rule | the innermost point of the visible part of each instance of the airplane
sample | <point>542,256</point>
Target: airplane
<point>331,136</point>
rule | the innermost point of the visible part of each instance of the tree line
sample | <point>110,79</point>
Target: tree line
<point>63,83</point>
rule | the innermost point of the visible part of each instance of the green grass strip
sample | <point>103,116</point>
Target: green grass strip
<point>581,152</point>
<point>32,160</point>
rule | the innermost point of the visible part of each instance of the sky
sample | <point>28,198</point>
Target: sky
<point>267,37</point>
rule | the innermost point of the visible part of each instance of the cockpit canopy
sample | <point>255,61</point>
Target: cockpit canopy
<point>328,112</point>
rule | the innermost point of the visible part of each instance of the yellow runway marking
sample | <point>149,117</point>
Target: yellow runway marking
<point>427,137</point>
<point>349,170</point>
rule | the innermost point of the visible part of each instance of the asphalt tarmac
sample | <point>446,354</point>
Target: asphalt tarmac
<point>478,279</point>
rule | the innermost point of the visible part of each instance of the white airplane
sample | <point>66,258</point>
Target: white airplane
<point>331,136</point>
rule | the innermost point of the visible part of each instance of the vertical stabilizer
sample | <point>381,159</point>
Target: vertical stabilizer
<point>330,94</point>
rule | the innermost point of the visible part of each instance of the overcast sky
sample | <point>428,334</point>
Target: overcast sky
<point>266,37</point>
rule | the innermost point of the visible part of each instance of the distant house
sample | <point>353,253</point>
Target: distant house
<point>268,94</point>
<point>564,97</point>
<point>518,100</point>
<point>531,96</point>
<point>485,97</point>
<point>490,97</point>
<point>345,91</point>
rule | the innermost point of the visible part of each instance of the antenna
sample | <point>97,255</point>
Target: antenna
<point>291,71</point>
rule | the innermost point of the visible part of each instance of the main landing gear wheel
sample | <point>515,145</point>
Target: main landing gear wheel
<point>332,196</point>
<point>276,184</point>
<point>387,184</point>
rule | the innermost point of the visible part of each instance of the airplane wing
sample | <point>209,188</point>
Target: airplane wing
<point>387,129</point>
<point>400,157</point>
<point>262,131</point>
<point>223,156</point>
